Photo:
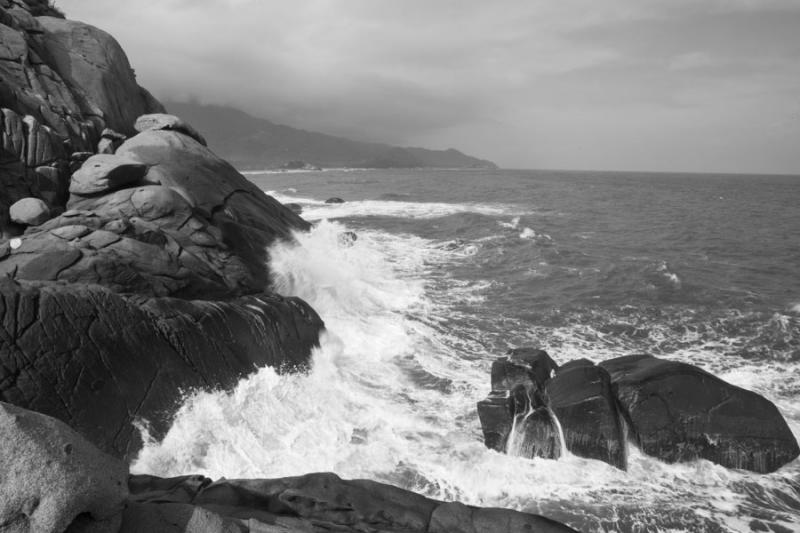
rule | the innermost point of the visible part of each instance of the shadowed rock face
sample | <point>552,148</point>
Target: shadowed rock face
<point>99,360</point>
<point>61,83</point>
<point>314,502</point>
<point>673,411</point>
<point>580,396</point>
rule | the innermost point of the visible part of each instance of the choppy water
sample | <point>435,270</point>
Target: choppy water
<point>453,267</point>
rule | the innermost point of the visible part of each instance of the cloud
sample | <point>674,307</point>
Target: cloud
<point>527,82</point>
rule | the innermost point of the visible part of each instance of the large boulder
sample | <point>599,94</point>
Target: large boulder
<point>679,412</point>
<point>581,398</point>
<point>99,360</point>
<point>313,502</point>
<point>52,479</point>
<point>29,211</point>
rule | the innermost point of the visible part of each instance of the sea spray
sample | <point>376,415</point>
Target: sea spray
<point>391,395</point>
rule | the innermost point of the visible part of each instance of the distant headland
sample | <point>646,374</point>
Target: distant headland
<point>254,143</point>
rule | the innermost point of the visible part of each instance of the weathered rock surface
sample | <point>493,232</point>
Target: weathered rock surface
<point>51,478</point>
<point>673,411</point>
<point>678,412</point>
<point>98,360</point>
<point>29,211</point>
<point>163,121</point>
<point>314,502</point>
<point>61,83</point>
<point>104,173</point>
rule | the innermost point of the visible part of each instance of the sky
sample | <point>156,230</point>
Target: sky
<point>661,85</point>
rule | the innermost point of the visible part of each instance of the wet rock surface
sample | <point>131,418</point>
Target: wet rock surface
<point>670,410</point>
<point>313,503</point>
<point>679,412</point>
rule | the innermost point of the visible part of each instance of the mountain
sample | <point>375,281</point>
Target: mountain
<point>250,142</point>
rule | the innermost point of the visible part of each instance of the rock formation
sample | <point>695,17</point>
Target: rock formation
<point>61,84</point>
<point>130,275</point>
<point>670,410</point>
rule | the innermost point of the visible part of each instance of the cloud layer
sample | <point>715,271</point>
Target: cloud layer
<point>685,85</point>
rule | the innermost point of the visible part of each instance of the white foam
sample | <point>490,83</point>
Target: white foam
<point>315,209</point>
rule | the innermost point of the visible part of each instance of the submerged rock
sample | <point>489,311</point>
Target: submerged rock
<point>334,200</point>
<point>679,412</point>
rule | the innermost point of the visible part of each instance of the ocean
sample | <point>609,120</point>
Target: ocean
<point>453,267</point>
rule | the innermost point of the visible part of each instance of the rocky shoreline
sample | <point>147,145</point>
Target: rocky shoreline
<point>134,266</point>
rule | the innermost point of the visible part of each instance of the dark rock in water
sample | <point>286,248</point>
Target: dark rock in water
<point>98,360</point>
<point>496,414</point>
<point>535,434</point>
<point>522,365</point>
<point>53,480</point>
<point>347,238</point>
<point>313,502</point>
<point>673,411</point>
<point>580,396</point>
<point>334,200</point>
<point>295,208</point>
<point>518,381</point>
<point>678,412</point>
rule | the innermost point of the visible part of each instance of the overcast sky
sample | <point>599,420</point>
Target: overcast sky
<point>685,85</point>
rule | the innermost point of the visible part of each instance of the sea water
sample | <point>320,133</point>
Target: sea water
<point>452,268</point>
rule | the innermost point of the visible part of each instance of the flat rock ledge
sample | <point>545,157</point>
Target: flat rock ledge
<point>54,481</point>
<point>670,410</point>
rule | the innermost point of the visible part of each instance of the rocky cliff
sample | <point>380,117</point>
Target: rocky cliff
<point>133,259</point>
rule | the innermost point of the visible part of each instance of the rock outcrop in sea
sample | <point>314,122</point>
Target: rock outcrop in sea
<point>133,267</point>
<point>671,410</point>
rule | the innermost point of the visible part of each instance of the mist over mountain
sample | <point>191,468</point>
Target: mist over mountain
<point>255,143</point>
